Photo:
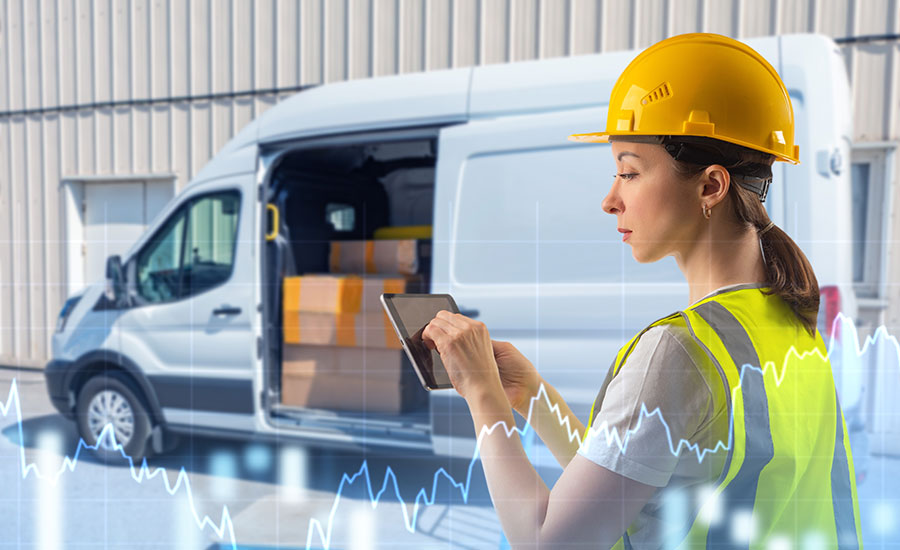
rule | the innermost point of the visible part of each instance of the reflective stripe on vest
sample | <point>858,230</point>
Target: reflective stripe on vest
<point>788,469</point>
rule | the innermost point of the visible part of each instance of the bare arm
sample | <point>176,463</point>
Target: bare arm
<point>560,430</point>
<point>589,507</point>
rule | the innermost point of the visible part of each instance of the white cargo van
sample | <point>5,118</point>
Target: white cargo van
<point>183,337</point>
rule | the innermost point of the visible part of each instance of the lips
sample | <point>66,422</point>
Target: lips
<point>625,233</point>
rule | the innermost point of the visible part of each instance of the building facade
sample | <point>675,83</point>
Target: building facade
<point>109,107</point>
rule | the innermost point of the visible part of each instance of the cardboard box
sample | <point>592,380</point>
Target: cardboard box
<point>350,379</point>
<point>336,293</point>
<point>375,256</point>
<point>366,363</point>
<point>372,329</point>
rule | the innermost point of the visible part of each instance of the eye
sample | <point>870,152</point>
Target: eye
<point>626,176</point>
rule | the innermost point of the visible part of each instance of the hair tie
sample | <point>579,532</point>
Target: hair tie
<point>766,228</point>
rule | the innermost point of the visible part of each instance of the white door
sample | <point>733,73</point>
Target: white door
<point>115,215</point>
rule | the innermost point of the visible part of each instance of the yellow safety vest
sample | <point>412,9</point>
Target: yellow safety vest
<point>788,473</point>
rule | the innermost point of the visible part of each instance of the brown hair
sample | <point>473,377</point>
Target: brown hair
<point>788,271</point>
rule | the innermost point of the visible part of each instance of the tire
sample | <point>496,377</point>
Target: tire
<point>112,398</point>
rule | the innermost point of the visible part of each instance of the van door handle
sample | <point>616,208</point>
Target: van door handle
<point>227,310</point>
<point>471,313</point>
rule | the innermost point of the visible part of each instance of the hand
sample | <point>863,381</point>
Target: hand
<point>465,348</point>
<point>520,379</point>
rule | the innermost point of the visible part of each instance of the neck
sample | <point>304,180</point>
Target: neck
<point>710,263</point>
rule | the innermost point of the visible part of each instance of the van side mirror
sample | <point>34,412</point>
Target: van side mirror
<point>115,281</point>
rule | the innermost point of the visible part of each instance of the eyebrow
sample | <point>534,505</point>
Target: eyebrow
<point>626,154</point>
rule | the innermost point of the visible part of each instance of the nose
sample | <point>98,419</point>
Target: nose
<point>612,203</point>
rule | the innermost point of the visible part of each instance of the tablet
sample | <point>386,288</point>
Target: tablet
<point>410,313</point>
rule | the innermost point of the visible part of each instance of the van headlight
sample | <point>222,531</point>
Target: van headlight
<point>65,312</point>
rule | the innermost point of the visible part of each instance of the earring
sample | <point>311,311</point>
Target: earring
<point>705,211</point>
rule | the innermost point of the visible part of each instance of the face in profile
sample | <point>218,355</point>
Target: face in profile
<point>649,199</point>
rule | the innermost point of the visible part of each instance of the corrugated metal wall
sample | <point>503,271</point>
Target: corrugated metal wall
<point>74,74</point>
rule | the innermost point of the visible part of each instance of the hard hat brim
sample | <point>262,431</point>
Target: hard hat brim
<point>595,137</point>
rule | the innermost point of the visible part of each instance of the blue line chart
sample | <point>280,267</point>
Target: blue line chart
<point>390,485</point>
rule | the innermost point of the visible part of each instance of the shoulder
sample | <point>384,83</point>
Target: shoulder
<point>668,352</point>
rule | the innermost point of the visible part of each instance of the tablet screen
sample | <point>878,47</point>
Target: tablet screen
<point>410,314</point>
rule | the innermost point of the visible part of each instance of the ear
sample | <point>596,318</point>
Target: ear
<point>714,185</point>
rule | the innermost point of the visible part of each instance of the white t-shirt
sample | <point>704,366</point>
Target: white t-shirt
<point>667,393</point>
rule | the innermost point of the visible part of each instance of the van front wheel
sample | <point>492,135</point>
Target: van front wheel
<point>109,415</point>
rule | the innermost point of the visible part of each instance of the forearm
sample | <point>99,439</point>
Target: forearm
<point>555,424</point>
<point>519,495</point>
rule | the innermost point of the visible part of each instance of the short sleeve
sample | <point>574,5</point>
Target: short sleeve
<point>658,398</point>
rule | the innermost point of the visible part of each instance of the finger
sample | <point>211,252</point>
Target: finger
<point>432,334</point>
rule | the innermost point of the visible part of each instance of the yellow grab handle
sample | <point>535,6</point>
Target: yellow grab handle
<point>274,210</point>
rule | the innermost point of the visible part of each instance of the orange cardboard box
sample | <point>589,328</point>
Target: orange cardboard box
<point>375,256</point>
<point>372,329</point>
<point>340,392</point>
<point>341,293</point>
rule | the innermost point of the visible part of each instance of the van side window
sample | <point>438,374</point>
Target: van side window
<point>194,250</point>
<point>159,265</point>
<point>209,247</point>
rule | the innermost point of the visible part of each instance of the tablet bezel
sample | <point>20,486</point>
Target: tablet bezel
<point>403,333</point>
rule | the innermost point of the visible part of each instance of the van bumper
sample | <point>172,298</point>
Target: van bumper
<point>55,374</point>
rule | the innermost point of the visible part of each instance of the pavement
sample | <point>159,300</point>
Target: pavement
<point>209,494</point>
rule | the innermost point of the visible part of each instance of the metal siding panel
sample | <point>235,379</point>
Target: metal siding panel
<point>102,48</point>
<point>221,131</point>
<point>86,143</point>
<point>34,240</point>
<point>51,243</point>
<point>180,45</point>
<point>199,73</point>
<point>651,17</point>
<point>288,43</point>
<point>311,42</point>
<point>834,17</point>
<point>4,64</point>
<point>618,25</point>
<point>384,37</point>
<point>554,31</point>
<point>494,39</point>
<point>243,113</point>
<point>7,305</point>
<point>585,26</point>
<point>335,38</point>
<point>140,50</point>
<point>201,136</point>
<point>264,44</point>
<point>794,17</point>
<point>871,93</point>
<point>160,138</point>
<point>685,16</point>
<point>159,46</point>
<point>68,145</point>
<point>892,115</point>
<point>437,35</point>
<point>220,46</point>
<point>84,47</point>
<point>68,59</point>
<point>465,33</point>
<point>141,138</point>
<point>16,60</point>
<point>359,26</point>
<point>49,60</point>
<point>242,46</point>
<point>181,143</point>
<point>121,38</point>
<point>874,17</point>
<point>122,133</point>
<point>32,50</point>
<point>104,147</point>
<point>410,37</point>
<point>523,30</point>
<point>721,17</point>
<point>19,239</point>
<point>756,19</point>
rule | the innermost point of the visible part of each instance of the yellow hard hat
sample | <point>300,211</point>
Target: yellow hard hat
<point>705,85</point>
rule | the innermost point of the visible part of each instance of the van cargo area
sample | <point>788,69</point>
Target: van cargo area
<point>353,221</point>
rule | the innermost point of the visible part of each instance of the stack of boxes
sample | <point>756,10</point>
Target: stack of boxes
<point>340,350</point>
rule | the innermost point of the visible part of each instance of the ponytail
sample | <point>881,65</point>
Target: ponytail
<point>788,271</point>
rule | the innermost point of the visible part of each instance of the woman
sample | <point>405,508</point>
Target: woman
<point>717,425</point>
